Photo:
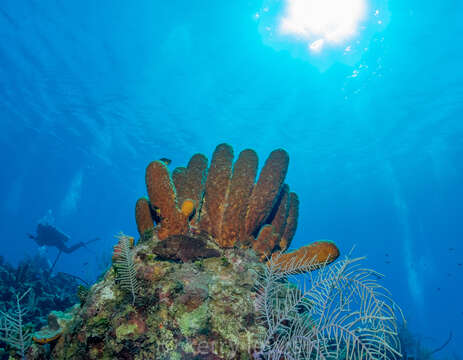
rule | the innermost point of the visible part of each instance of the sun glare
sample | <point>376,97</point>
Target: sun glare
<point>322,22</point>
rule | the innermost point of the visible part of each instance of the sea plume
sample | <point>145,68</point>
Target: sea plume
<point>124,265</point>
<point>12,330</point>
<point>337,312</point>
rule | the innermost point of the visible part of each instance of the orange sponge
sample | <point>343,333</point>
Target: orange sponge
<point>281,214</point>
<point>224,200</point>
<point>188,206</point>
<point>291,221</point>
<point>217,183</point>
<point>265,241</point>
<point>143,216</point>
<point>265,192</point>
<point>179,177</point>
<point>308,257</point>
<point>161,192</point>
<point>241,184</point>
<point>195,181</point>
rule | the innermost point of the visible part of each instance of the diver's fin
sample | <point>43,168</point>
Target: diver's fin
<point>93,240</point>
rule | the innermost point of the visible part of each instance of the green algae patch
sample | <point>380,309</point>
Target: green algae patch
<point>193,322</point>
<point>98,326</point>
<point>126,330</point>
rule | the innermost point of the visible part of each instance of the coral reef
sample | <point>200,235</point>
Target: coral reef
<point>199,309</point>
<point>44,291</point>
<point>187,289</point>
<point>48,291</point>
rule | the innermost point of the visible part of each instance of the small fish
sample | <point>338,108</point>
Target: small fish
<point>386,254</point>
<point>459,264</point>
<point>451,249</point>
<point>165,160</point>
<point>438,289</point>
<point>387,262</point>
<point>85,263</point>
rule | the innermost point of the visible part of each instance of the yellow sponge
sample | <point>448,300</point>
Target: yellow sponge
<point>188,206</point>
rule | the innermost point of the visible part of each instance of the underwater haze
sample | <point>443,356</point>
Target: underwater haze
<point>371,115</point>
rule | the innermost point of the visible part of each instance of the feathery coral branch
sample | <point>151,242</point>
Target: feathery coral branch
<point>339,311</point>
<point>126,273</point>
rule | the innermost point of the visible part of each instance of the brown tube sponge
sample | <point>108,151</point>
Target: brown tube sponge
<point>179,177</point>
<point>143,216</point>
<point>266,241</point>
<point>161,192</point>
<point>266,190</point>
<point>308,257</point>
<point>281,214</point>
<point>291,221</point>
<point>215,195</point>
<point>196,179</point>
<point>242,182</point>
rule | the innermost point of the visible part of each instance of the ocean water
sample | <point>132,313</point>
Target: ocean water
<point>92,91</point>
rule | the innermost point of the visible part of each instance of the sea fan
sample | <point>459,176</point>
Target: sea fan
<point>125,268</point>
<point>12,330</point>
<point>336,312</point>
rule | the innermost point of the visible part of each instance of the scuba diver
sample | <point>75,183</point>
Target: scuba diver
<point>49,235</point>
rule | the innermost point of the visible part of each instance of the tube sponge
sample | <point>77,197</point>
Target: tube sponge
<point>308,257</point>
<point>291,221</point>
<point>265,192</point>
<point>218,179</point>
<point>242,182</point>
<point>225,201</point>
<point>190,181</point>
<point>196,180</point>
<point>265,241</point>
<point>161,192</point>
<point>279,220</point>
<point>143,216</point>
<point>179,177</point>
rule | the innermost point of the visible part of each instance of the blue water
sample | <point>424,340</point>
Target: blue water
<point>92,91</point>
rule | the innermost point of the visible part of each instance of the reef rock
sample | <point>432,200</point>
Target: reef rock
<point>184,248</point>
<point>200,309</point>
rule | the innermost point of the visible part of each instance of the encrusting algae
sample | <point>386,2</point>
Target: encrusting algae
<point>205,234</point>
